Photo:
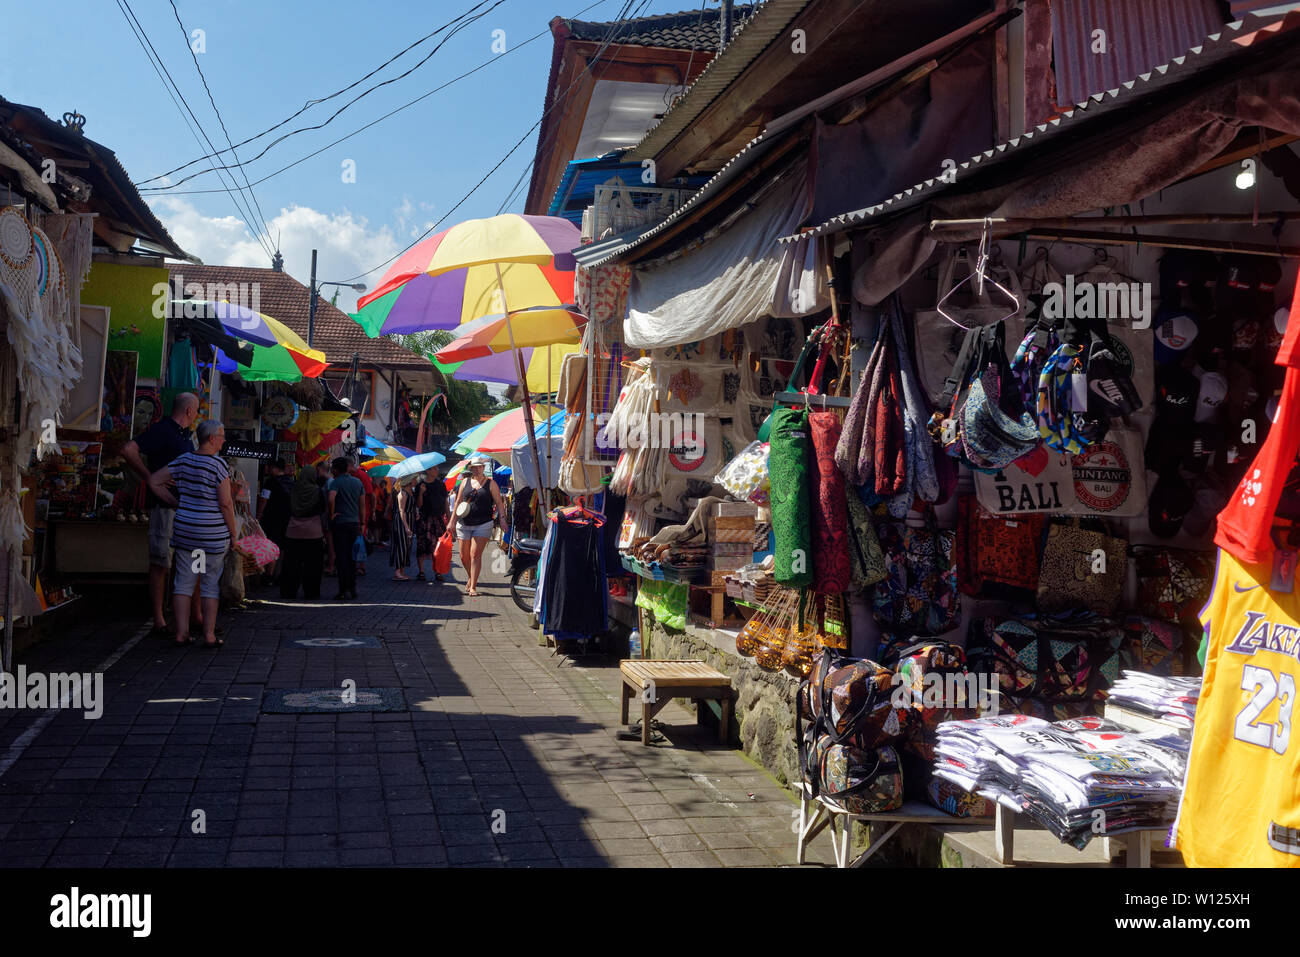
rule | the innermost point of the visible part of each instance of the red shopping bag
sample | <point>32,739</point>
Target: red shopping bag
<point>442,553</point>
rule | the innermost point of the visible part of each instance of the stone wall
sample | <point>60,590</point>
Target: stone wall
<point>764,705</point>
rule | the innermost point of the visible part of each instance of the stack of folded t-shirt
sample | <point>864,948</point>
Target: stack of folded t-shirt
<point>1078,778</point>
<point>1166,698</point>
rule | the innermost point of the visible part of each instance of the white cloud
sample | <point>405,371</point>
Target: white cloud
<point>346,245</point>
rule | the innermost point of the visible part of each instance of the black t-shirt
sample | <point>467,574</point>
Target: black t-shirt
<point>160,444</point>
<point>433,503</point>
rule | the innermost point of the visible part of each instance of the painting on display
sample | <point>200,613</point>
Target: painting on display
<point>117,423</point>
<point>68,483</point>
<point>130,294</point>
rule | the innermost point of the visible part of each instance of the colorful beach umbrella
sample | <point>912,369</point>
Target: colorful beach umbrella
<point>531,256</point>
<point>497,435</point>
<point>463,295</point>
<point>279,353</point>
<point>528,328</point>
<point>542,367</point>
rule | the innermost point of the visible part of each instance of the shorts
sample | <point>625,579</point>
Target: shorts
<point>160,535</point>
<point>209,579</point>
<point>464,531</point>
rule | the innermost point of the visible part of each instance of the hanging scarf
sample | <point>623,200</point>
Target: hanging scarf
<point>304,499</point>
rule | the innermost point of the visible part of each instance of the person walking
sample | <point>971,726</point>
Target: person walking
<point>203,530</point>
<point>157,447</point>
<point>367,504</point>
<point>346,511</point>
<point>478,501</point>
<point>431,505</point>
<point>400,555</point>
<point>323,479</point>
<point>304,544</point>
<point>273,511</point>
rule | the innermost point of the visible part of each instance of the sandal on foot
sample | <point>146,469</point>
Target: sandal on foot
<point>213,646</point>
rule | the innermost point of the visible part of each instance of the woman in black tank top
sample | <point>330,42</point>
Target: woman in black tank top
<point>481,498</point>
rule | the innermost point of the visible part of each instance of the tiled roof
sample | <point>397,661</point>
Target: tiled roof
<point>688,30</point>
<point>284,298</point>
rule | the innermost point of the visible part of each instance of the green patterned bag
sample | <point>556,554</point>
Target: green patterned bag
<point>868,560</point>
<point>789,462</point>
<point>860,781</point>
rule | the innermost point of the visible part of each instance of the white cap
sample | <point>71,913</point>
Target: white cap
<point>1214,389</point>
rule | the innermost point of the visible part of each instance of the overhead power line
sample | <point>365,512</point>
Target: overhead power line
<point>305,129</point>
<point>609,36</point>
<point>155,61</point>
<point>185,34</point>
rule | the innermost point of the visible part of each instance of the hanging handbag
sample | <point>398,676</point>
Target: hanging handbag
<point>918,595</point>
<point>789,463</point>
<point>867,561</point>
<point>996,430</point>
<point>1173,583</point>
<point>831,564</point>
<point>999,551</point>
<point>1081,568</point>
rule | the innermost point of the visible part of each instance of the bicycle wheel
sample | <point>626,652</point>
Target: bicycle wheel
<point>523,586</point>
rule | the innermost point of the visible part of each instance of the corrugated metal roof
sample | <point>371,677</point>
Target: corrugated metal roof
<point>1098,44</point>
<point>1232,41</point>
<point>768,21</point>
<point>1261,7</point>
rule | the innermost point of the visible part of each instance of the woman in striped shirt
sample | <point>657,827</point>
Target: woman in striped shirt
<point>204,527</point>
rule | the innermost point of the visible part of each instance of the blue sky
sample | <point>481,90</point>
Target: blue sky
<point>263,60</point>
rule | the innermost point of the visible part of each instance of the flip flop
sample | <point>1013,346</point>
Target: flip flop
<point>188,640</point>
<point>214,645</point>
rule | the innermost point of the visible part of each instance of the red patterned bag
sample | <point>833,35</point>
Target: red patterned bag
<point>831,570</point>
<point>1001,549</point>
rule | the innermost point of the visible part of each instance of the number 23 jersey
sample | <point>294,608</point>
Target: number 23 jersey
<point>1241,799</point>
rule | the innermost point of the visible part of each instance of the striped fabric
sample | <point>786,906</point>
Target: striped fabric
<point>199,522</point>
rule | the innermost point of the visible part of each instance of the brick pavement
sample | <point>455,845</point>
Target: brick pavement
<point>506,755</point>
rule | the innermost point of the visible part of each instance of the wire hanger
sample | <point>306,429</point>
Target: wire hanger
<point>980,275</point>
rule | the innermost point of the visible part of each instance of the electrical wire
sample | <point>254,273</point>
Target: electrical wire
<point>391,113</point>
<point>155,62</point>
<point>336,113</point>
<point>184,33</point>
<point>324,99</point>
<point>501,162</point>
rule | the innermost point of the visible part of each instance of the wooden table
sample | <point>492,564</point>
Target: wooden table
<point>658,682</point>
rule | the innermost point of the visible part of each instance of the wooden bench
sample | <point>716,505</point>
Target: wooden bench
<point>816,814</point>
<point>658,682</point>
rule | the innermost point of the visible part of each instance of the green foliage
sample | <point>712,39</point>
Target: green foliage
<point>467,402</point>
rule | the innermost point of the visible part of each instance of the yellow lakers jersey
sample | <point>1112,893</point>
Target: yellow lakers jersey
<point>1241,799</point>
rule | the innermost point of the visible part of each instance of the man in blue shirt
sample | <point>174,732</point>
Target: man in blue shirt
<point>155,449</point>
<point>347,508</point>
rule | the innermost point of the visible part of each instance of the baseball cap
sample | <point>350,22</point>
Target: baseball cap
<point>1176,392</point>
<point>1201,449</point>
<point>1210,396</point>
<point>1175,331</point>
<point>1210,498</point>
<point>1169,505</point>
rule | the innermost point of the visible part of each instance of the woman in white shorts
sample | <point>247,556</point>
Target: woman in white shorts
<point>477,508</point>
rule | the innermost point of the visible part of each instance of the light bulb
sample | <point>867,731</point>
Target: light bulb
<point>1246,178</point>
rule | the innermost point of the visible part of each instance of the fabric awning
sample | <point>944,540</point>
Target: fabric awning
<point>733,279</point>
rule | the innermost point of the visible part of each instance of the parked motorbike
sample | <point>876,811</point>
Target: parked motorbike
<point>525,553</point>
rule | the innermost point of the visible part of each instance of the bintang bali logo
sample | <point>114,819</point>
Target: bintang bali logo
<point>1102,477</point>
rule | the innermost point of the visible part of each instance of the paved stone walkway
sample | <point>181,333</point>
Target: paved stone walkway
<point>506,756</point>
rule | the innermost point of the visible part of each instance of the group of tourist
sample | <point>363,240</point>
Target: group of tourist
<point>324,522</point>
